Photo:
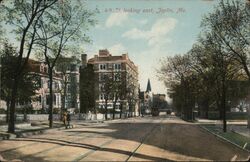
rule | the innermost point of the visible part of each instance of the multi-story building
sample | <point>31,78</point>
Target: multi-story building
<point>68,69</point>
<point>122,70</point>
<point>65,85</point>
<point>42,94</point>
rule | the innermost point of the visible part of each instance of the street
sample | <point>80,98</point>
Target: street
<point>135,139</point>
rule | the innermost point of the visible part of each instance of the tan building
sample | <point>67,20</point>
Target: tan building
<point>123,71</point>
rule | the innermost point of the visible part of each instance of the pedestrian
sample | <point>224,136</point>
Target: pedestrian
<point>68,120</point>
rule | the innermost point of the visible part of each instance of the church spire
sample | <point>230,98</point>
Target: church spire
<point>148,86</point>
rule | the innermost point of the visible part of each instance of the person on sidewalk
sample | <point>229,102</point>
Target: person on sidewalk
<point>68,120</point>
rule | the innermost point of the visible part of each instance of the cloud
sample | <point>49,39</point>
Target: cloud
<point>117,49</point>
<point>157,33</point>
<point>136,34</point>
<point>116,19</point>
<point>142,22</point>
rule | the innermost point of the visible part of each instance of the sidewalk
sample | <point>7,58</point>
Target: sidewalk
<point>237,126</point>
<point>39,127</point>
<point>26,129</point>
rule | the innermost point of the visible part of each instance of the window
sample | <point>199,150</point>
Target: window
<point>102,66</point>
<point>54,99</point>
<point>101,97</point>
<point>102,77</point>
<point>48,83</point>
<point>117,66</point>
<point>41,68</point>
<point>101,87</point>
<point>47,100</point>
<point>117,77</point>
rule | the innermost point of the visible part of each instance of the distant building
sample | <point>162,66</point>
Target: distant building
<point>159,101</point>
<point>146,99</point>
<point>148,90</point>
<point>93,72</point>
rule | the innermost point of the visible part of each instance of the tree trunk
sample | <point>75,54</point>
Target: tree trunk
<point>248,113</point>
<point>63,99</point>
<point>223,105</point>
<point>114,104</point>
<point>121,105</point>
<point>106,109</point>
<point>50,98</point>
<point>62,106</point>
<point>8,110</point>
<point>129,111</point>
<point>248,117</point>
<point>11,124</point>
<point>206,108</point>
<point>25,114</point>
<point>114,110</point>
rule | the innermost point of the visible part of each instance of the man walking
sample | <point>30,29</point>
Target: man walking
<point>68,120</point>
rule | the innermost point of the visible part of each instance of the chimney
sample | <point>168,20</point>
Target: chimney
<point>125,56</point>
<point>104,53</point>
<point>84,60</point>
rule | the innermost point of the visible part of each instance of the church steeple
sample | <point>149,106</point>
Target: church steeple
<point>148,86</point>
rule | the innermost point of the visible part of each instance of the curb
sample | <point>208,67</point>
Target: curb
<point>224,139</point>
<point>6,136</point>
<point>29,133</point>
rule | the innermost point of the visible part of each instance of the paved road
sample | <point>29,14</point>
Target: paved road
<point>140,139</point>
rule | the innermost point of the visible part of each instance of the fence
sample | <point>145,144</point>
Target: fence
<point>56,117</point>
<point>230,115</point>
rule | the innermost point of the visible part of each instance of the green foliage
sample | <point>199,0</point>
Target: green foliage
<point>215,70</point>
<point>87,91</point>
<point>67,67</point>
<point>29,81</point>
<point>100,110</point>
<point>2,111</point>
<point>231,136</point>
<point>56,110</point>
<point>62,29</point>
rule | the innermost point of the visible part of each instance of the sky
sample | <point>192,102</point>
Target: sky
<point>148,30</point>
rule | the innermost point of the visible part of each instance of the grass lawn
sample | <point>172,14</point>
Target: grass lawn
<point>229,135</point>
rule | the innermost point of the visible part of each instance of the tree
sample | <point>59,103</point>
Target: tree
<point>28,80</point>
<point>208,72</point>
<point>23,16</point>
<point>230,23</point>
<point>131,93</point>
<point>177,74</point>
<point>62,28</point>
<point>87,92</point>
<point>107,88</point>
<point>66,66</point>
<point>7,54</point>
<point>118,87</point>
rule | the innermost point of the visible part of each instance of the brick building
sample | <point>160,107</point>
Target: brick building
<point>93,73</point>
<point>40,102</point>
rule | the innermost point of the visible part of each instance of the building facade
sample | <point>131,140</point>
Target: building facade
<point>41,103</point>
<point>122,71</point>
